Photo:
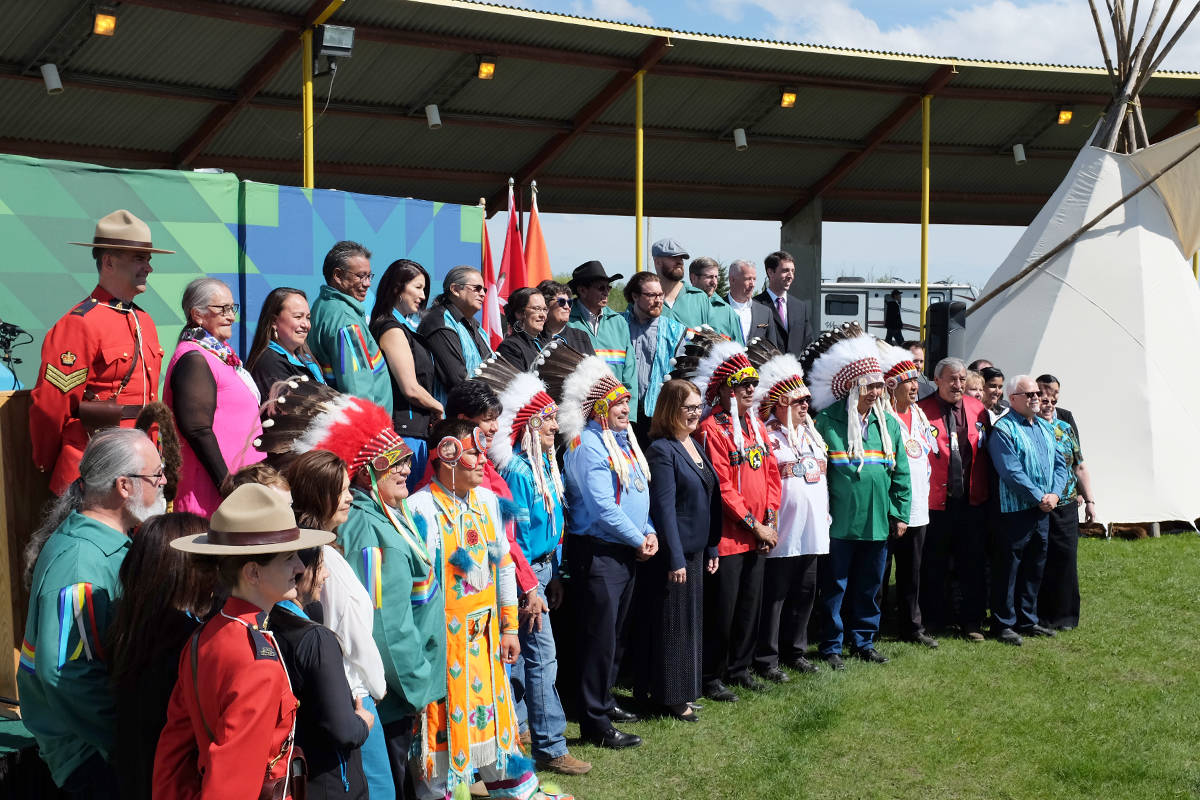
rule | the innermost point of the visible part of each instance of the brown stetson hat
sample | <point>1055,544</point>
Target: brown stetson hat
<point>252,519</point>
<point>121,230</point>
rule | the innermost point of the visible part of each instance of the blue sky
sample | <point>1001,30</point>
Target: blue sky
<point>1043,31</point>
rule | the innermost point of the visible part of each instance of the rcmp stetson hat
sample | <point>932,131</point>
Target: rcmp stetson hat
<point>252,519</point>
<point>121,230</point>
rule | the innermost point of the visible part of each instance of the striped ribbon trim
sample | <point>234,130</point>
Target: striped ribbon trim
<point>28,654</point>
<point>424,591</point>
<point>869,457</point>
<point>76,610</point>
<point>373,574</point>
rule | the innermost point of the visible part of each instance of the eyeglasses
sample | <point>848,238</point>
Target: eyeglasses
<point>1030,396</point>
<point>693,408</point>
<point>652,295</point>
<point>358,277</point>
<point>230,310</point>
<point>563,302</point>
<point>154,477</point>
<point>477,288</point>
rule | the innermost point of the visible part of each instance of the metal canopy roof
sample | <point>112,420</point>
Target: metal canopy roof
<point>201,83</point>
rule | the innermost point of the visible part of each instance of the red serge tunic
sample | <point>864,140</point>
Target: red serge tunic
<point>247,702</point>
<point>89,350</point>
<point>749,479</point>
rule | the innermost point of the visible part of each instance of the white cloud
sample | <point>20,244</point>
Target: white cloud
<point>615,10</point>
<point>1044,31</point>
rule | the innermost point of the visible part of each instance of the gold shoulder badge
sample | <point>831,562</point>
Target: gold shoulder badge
<point>65,382</point>
<point>68,359</point>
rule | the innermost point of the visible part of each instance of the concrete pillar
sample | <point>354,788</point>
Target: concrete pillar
<point>801,236</point>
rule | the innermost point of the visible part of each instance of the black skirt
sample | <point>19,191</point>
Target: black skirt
<point>669,620</point>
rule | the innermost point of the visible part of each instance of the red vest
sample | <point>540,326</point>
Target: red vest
<point>977,420</point>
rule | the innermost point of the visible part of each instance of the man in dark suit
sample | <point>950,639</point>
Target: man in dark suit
<point>791,327</point>
<point>755,318</point>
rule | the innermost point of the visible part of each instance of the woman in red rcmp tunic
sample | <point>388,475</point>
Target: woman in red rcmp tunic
<point>231,719</point>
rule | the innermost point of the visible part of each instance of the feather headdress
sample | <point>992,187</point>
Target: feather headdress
<point>838,365</point>
<point>524,405</point>
<point>586,388</point>
<point>711,360</point>
<point>303,415</point>
<point>897,364</point>
<point>780,375</point>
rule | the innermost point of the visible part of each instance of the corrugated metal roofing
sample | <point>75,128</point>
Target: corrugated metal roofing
<point>127,101</point>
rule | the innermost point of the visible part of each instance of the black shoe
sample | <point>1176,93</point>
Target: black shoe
<point>774,675</point>
<point>614,739</point>
<point>834,661</point>
<point>801,664</point>
<point>687,715</point>
<point>870,654</point>
<point>1007,636</point>
<point>748,682</point>
<point>921,637</point>
<point>720,692</point>
<point>618,714</point>
<point>697,706</point>
<point>1036,630</point>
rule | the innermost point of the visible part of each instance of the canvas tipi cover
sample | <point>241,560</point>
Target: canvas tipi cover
<point>1116,317</point>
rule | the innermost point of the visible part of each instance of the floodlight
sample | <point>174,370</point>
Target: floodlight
<point>105,21</point>
<point>787,99</point>
<point>487,68</point>
<point>1065,113</point>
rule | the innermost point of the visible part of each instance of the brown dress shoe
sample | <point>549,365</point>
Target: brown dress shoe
<point>526,739</point>
<point>566,764</point>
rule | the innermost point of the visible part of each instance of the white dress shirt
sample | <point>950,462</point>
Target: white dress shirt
<point>743,313</point>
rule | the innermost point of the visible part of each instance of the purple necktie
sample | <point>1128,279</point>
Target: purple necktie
<point>781,307</point>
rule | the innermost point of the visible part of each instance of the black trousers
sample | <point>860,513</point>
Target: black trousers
<point>94,778</point>
<point>958,532</point>
<point>603,574</point>
<point>732,596</point>
<point>907,553</point>
<point>398,737</point>
<point>1058,598</point>
<point>788,595</point>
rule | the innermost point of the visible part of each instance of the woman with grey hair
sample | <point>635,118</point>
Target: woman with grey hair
<point>215,401</point>
<point>451,332</point>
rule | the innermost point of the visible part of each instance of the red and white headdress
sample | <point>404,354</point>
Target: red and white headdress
<point>711,360</point>
<point>897,364</point>
<point>525,404</point>
<point>585,389</point>
<point>304,415</point>
<point>779,375</point>
<point>838,365</point>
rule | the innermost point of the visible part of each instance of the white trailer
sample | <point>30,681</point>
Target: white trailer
<point>856,300</point>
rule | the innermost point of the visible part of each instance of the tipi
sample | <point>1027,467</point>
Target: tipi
<point>1099,291</point>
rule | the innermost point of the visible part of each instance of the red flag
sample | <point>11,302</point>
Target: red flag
<point>512,262</point>
<point>491,302</point>
<point>537,260</point>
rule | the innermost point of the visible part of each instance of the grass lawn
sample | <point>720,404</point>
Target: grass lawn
<point>1110,710</point>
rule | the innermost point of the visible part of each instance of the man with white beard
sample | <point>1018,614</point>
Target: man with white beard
<point>75,556</point>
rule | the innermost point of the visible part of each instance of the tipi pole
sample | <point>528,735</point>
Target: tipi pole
<point>1170,43</point>
<point>1065,243</point>
<point>1104,44</point>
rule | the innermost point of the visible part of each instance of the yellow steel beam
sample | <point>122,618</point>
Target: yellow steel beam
<point>638,173</point>
<point>306,93</point>
<point>926,103</point>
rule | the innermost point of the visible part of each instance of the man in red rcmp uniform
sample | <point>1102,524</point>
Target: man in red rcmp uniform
<point>103,354</point>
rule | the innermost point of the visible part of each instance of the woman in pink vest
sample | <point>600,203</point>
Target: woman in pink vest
<point>215,401</point>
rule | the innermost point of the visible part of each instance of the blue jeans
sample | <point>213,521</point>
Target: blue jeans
<point>853,573</point>
<point>1017,566</point>
<point>539,708</point>
<point>377,767</point>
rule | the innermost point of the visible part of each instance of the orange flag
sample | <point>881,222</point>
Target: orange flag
<point>491,302</point>
<point>537,261</point>
<point>512,262</point>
